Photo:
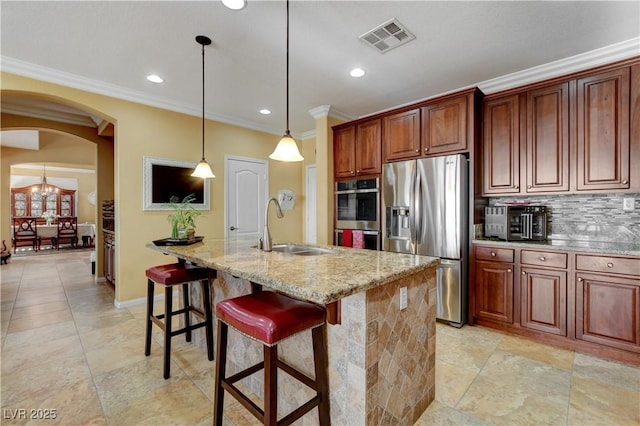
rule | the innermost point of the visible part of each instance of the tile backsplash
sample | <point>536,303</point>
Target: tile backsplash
<point>588,217</point>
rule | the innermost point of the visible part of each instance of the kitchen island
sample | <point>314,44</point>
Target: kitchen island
<point>381,357</point>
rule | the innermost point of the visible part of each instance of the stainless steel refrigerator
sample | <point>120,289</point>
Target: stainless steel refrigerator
<point>424,211</point>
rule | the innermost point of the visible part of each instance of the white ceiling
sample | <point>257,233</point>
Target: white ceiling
<point>110,46</point>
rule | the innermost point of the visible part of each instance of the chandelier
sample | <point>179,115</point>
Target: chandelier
<point>43,189</point>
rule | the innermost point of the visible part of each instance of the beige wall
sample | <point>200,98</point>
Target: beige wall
<point>146,131</point>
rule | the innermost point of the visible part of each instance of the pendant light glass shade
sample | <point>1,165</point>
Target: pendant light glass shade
<point>287,149</point>
<point>203,170</point>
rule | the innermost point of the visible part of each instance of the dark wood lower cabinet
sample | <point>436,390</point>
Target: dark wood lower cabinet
<point>583,301</point>
<point>494,291</point>
<point>543,300</point>
<point>608,310</point>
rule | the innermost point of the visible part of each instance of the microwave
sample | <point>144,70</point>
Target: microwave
<point>357,204</point>
<point>516,223</point>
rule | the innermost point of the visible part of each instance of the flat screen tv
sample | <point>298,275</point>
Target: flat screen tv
<point>164,179</point>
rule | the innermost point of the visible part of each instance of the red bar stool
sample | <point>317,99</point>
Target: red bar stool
<point>169,276</point>
<point>270,317</point>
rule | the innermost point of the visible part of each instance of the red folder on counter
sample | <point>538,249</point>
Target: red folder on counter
<point>347,238</point>
<point>358,239</point>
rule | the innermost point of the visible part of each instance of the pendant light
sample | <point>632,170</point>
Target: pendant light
<point>287,149</point>
<point>203,170</point>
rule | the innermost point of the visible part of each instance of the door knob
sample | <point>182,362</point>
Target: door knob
<point>233,228</point>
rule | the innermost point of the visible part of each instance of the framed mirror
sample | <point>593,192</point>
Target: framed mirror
<point>164,178</point>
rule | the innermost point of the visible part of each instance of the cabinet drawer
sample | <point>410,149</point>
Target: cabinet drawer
<point>543,258</point>
<point>612,265</point>
<point>494,254</point>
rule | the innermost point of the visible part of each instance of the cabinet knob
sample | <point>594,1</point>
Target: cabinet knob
<point>493,254</point>
<point>524,273</point>
<point>357,171</point>
<point>509,270</point>
<point>516,186</point>
<point>609,265</point>
<point>542,258</point>
<point>528,186</point>
<point>580,279</point>
<point>426,149</point>
<point>417,150</point>
<point>624,182</point>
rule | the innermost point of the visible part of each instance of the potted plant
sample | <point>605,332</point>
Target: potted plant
<point>183,219</point>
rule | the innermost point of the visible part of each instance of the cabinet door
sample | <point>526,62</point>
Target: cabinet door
<point>67,203</point>
<point>608,310</point>
<point>344,152</point>
<point>603,131</point>
<point>444,126</point>
<point>20,203</point>
<point>402,135</point>
<point>543,300</point>
<point>501,146</point>
<point>548,139</point>
<point>494,291</point>
<point>369,147</point>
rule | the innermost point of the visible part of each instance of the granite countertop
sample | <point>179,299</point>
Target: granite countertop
<point>322,279</point>
<point>601,247</point>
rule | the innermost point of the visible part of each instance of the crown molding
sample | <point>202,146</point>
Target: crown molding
<point>329,111</point>
<point>608,54</point>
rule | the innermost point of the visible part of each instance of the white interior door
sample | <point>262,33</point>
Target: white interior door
<point>246,188</point>
<point>310,206</point>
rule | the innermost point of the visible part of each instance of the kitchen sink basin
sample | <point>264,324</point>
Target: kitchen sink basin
<point>300,250</point>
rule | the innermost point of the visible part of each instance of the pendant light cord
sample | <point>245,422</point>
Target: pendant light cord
<point>287,132</point>
<point>202,102</point>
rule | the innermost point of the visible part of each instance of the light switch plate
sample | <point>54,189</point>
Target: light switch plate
<point>628,204</point>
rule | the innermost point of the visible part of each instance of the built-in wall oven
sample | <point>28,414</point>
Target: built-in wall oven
<point>357,204</point>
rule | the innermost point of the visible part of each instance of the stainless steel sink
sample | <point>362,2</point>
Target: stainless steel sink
<point>300,250</point>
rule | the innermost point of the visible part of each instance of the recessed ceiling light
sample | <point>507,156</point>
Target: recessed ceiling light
<point>357,72</point>
<point>234,4</point>
<point>265,111</point>
<point>155,78</point>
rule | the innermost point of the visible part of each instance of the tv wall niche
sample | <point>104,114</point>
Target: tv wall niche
<point>164,178</point>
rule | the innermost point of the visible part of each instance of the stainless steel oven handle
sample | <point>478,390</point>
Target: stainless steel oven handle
<point>356,191</point>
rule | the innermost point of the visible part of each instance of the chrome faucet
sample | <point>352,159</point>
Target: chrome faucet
<point>265,241</point>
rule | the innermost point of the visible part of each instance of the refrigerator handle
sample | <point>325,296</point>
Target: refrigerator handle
<point>417,208</point>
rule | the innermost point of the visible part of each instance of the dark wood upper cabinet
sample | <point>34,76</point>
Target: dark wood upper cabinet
<point>368,148</point>
<point>603,131</point>
<point>344,152</point>
<point>444,126</point>
<point>501,146</point>
<point>547,139</point>
<point>402,135</point>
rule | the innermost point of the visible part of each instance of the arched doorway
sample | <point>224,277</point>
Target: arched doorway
<point>70,136</point>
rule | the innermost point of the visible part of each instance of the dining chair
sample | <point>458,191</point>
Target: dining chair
<point>67,231</point>
<point>25,232</point>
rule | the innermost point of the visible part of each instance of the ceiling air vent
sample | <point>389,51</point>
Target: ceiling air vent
<point>387,36</point>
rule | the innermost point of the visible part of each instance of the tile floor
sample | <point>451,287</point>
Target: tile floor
<point>66,348</point>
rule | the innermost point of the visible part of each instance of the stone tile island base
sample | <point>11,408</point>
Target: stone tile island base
<point>381,358</point>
